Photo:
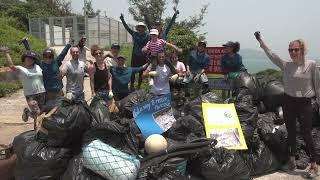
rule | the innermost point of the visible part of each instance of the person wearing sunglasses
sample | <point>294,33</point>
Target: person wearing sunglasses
<point>301,80</point>
<point>100,77</point>
<point>50,69</point>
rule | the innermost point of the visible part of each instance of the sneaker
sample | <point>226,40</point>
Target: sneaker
<point>313,172</point>
<point>25,114</point>
<point>151,82</point>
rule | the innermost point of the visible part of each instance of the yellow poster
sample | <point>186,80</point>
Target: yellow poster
<point>222,123</point>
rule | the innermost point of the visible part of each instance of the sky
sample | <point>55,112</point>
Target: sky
<point>279,21</point>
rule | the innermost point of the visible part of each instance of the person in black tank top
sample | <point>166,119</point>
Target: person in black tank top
<point>100,76</point>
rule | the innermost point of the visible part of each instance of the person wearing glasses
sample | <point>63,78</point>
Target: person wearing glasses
<point>50,69</point>
<point>301,80</point>
<point>100,77</point>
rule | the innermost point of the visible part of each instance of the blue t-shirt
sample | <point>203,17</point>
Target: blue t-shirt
<point>198,61</point>
<point>232,63</point>
<point>121,77</point>
<point>51,80</point>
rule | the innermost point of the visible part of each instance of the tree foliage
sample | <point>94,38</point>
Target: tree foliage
<point>21,10</point>
<point>89,9</point>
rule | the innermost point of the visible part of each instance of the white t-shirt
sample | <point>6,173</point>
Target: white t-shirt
<point>31,79</point>
<point>161,81</point>
<point>75,71</point>
<point>180,67</point>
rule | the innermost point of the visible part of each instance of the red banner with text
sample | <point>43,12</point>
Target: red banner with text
<point>215,54</point>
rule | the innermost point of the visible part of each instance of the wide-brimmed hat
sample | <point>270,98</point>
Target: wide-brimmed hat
<point>229,44</point>
<point>30,54</point>
<point>154,31</point>
<point>202,43</point>
<point>121,57</point>
<point>140,24</point>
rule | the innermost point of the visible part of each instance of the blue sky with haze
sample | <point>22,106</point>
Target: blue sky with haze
<point>280,21</point>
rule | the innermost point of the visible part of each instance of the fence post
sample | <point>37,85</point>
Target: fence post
<point>75,28</point>
<point>86,29</point>
<point>109,31</point>
<point>39,28</point>
<point>99,32</point>
<point>63,31</point>
<point>51,31</point>
<point>118,32</point>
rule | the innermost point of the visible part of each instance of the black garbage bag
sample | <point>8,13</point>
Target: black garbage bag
<point>100,111</point>
<point>260,159</point>
<point>121,134</point>
<point>127,103</point>
<point>219,164</point>
<point>66,126</point>
<point>185,129</point>
<point>272,97</point>
<point>248,117</point>
<point>248,81</point>
<point>76,171</point>
<point>316,116</point>
<point>36,160</point>
<point>266,123</point>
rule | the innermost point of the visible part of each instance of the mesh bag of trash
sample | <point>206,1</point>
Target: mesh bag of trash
<point>109,162</point>
<point>266,123</point>
<point>76,171</point>
<point>65,127</point>
<point>121,134</point>
<point>219,164</point>
<point>185,129</point>
<point>127,103</point>
<point>273,95</point>
<point>99,109</point>
<point>36,160</point>
<point>302,159</point>
<point>260,159</point>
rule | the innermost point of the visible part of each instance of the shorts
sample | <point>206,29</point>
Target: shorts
<point>51,95</point>
<point>138,61</point>
<point>36,102</point>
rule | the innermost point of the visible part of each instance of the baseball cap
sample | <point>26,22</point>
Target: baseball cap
<point>121,57</point>
<point>202,43</point>
<point>115,45</point>
<point>228,44</point>
<point>154,31</point>
<point>140,24</point>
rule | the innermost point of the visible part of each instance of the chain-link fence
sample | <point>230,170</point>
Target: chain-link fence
<point>57,31</point>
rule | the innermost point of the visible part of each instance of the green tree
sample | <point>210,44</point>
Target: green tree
<point>89,9</point>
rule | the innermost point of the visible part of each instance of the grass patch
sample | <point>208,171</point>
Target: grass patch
<point>7,88</point>
<point>10,37</point>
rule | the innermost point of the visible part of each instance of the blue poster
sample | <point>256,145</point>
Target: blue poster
<point>154,116</point>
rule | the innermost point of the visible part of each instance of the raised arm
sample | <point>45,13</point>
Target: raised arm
<point>126,25</point>
<point>166,32</point>
<point>5,51</point>
<point>174,47</point>
<point>64,52</point>
<point>147,21</point>
<point>272,56</point>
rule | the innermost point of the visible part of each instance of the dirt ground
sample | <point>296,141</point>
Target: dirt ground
<point>11,125</point>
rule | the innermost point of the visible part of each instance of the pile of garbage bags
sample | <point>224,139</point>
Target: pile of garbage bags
<point>82,142</point>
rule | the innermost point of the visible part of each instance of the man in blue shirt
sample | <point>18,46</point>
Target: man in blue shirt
<point>197,64</point>
<point>50,70</point>
<point>121,76</point>
<point>140,38</point>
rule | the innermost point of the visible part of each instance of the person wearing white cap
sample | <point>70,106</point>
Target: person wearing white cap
<point>140,39</point>
<point>156,45</point>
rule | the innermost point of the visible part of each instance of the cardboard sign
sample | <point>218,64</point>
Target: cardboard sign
<point>215,54</point>
<point>154,116</point>
<point>222,123</point>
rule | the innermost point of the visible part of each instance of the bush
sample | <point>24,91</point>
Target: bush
<point>10,36</point>
<point>268,75</point>
<point>7,88</point>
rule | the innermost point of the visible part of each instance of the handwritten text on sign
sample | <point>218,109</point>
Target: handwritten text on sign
<point>215,55</point>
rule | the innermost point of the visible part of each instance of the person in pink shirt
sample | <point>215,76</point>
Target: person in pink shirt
<point>154,46</point>
<point>176,84</point>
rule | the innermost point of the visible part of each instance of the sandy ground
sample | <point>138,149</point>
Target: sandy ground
<point>11,125</point>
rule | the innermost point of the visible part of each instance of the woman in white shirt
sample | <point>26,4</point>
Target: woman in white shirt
<point>30,76</point>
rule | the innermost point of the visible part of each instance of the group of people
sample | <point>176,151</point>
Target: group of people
<point>110,76</point>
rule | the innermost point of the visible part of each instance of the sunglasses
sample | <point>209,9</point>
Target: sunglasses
<point>98,53</point>
<point>294,49</point>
